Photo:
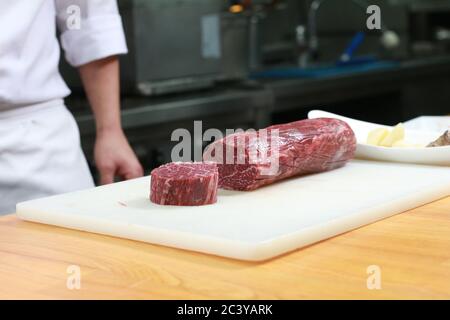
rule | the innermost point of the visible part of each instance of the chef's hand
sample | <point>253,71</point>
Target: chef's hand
<point>112,154</point>
<point>114,157</point>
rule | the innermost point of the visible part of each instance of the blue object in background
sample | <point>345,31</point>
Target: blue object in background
<point>354,44</point>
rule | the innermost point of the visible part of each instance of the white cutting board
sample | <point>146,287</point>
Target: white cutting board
<point>254,225</point>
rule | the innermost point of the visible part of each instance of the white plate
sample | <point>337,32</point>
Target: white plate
<point>430,156</point>
<point>429,123</point>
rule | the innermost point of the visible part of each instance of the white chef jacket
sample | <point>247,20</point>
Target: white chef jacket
<point>40,152</point>
<point>29,49</point>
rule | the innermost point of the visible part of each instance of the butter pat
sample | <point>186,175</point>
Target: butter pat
<point>376,136</point>
<point>397,134</point>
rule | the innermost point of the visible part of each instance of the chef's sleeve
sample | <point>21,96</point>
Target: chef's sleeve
<point>90,30</point>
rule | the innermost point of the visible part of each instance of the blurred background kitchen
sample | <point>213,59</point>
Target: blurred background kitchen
<point>251,63</point>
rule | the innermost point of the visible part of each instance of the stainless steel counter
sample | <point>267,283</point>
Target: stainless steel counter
<point>247,105</point>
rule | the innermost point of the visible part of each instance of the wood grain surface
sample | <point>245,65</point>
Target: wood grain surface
<point>411,249</point>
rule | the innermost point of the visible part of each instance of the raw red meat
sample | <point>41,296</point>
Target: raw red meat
<point>306,146</point>
<point>184,184</point>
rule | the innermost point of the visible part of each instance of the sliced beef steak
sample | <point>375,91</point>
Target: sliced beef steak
<point>184,184</point>
<point>301,147</point>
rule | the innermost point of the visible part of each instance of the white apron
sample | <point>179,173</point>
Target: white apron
<point>40,154</point>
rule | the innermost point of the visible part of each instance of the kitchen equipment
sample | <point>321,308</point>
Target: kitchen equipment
<point>253,225</point>
<point>418,155</point>
<point>173,45</point>
<point>235,48</point>
<point>272,30</point>
<point>180,45</point>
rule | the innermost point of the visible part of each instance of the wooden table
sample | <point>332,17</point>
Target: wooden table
<point>412,251</point>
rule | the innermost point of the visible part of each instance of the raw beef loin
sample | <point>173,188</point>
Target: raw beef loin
<point>184,184</point>
<point>301,147</point>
